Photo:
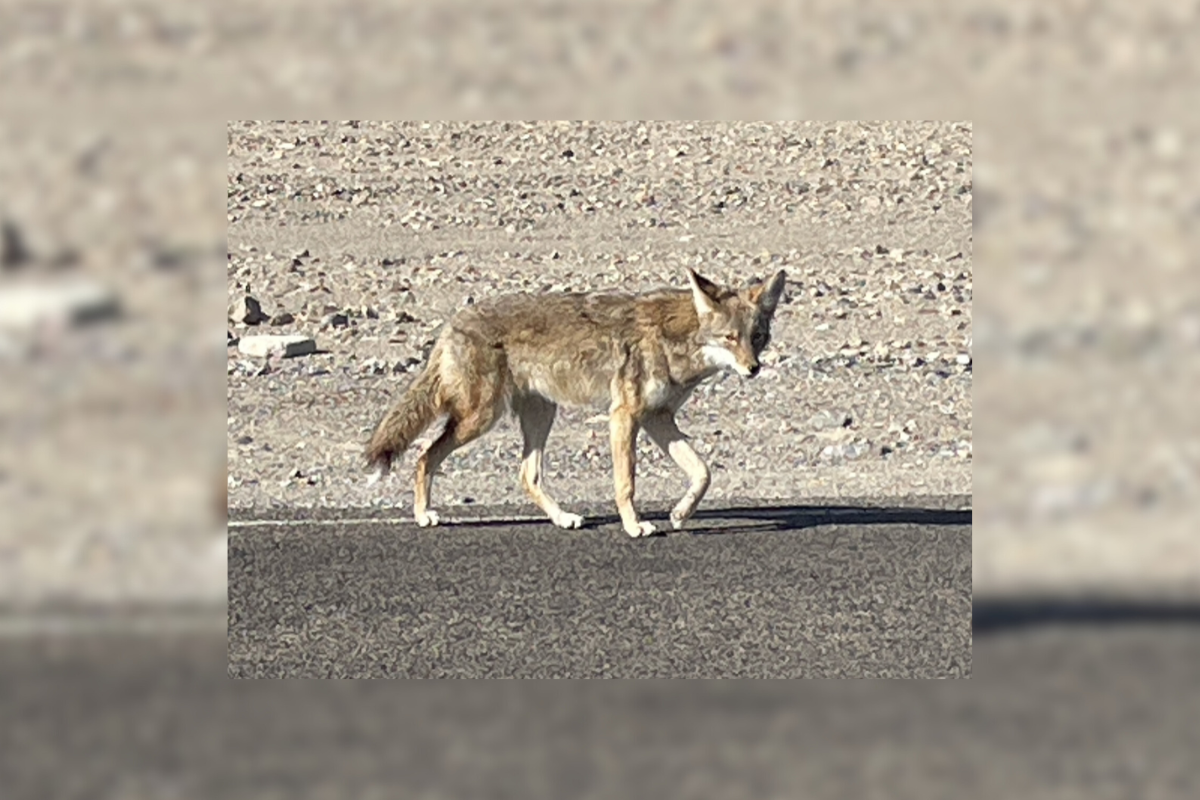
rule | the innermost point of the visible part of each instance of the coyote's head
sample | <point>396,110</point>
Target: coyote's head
<point>735,326</point>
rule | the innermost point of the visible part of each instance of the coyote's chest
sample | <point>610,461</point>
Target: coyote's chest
<point>657,393</point>
<point>664,393</point>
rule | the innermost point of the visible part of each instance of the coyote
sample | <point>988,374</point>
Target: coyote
<point>639,355</point>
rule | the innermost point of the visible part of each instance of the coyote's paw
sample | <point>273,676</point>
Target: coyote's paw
<point>428,519</point>
<point>680,514</point>
<point>568,520</point>
<point>642,529</point>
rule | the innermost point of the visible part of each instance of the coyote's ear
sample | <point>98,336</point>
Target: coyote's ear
<point>704,293</point>
<point>766,295</point>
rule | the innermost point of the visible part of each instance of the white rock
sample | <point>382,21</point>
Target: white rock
<point>284,345</point>
<point>26,306</point>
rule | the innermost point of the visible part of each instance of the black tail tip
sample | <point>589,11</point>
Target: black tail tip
<point>380,460</point>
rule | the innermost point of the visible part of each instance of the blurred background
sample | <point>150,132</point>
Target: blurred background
<point>112,290</point>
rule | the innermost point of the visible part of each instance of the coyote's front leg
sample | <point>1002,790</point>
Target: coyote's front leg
<point>666,434</point>
<point>623,431</point>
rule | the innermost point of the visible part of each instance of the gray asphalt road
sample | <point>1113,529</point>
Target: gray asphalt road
<point>850,591</point>
<point>1064,702</point>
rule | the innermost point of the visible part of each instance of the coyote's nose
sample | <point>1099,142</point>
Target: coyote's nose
<point>754,370</point>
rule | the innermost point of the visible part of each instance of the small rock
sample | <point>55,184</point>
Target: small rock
<point>335,320</point>
<point>963,358</point>
<point>160,256</point>
<point>285,318</point>
<point>825,420</point>
<point>275,344</point>
<point>375,366</point>
<point>847,451</point>
<point>247,310</point>
<point>13,252</point>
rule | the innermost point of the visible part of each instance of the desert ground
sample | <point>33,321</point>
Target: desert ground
<point>367,236</point>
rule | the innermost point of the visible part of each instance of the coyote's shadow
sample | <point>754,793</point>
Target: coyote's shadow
<point>736,519</point>
<point>756,518</point>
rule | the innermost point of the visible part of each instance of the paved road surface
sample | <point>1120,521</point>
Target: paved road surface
<point>1064,702</point>
<point>755,592</point>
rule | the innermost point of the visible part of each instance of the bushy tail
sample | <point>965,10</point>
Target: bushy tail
<point>415,412</point>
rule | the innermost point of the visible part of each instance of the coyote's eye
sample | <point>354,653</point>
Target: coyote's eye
<point>731,338</point>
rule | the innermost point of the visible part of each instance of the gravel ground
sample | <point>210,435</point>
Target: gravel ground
<point>368,236</point>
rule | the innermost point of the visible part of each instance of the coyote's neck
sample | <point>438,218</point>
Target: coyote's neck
<point>671,318</point>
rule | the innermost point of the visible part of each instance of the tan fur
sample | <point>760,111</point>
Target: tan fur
<point>638,356</point>
<point>405,421</point>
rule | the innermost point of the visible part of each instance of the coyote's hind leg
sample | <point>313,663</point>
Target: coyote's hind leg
<point>461,428</point>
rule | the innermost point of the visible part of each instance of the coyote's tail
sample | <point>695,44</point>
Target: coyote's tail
<point>406,420</point>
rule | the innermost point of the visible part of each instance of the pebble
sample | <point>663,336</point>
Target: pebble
<point>13,252</point>
<point>247,311</point>
<point>273,344</point>
<point>825,420</point>
<point>375,366</point>
<point>847,451</point>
